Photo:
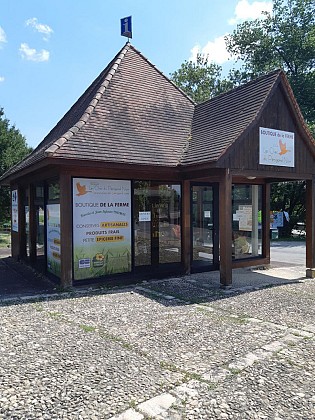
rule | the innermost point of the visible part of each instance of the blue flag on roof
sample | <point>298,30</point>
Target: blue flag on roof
<point>125,27</point>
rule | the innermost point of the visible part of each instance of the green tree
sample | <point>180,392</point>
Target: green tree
<point>289,197</point>
<point>200,80</point>
<point>284,39</point>
<point>13,148</point>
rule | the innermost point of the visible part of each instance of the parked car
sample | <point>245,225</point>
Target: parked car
<point>299,230</point>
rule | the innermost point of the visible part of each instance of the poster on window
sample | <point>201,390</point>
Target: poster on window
<point>101,227</point>
<point>276,219</point>
<point>15,211</point>
<point>244,215</point>
<point>53,239</point>
<point>276,147</point>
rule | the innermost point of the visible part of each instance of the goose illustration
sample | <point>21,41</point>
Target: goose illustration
<point>81,189</point>
<point>283,148</point>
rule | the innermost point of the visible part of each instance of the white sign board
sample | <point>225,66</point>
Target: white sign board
<point>15,211</point>
<point>276,147</point>
<point>101,227</point>
<point>144,216</point>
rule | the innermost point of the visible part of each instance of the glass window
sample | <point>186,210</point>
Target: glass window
<point>247,230</point>
<point>169,233</point>
<point>53,229</point>
<point>53,192</point>
<point>27,221</point>
<point>142,222</point>
<point>202,224</point>
<point>157,233</point>
<point>40,219</point>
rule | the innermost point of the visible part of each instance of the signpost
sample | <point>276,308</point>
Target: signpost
<point>125,27</point>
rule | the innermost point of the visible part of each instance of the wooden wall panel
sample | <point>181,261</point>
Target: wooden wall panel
<point>244,154</point>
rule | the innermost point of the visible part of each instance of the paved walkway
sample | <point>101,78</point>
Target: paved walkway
<point>171,349</point>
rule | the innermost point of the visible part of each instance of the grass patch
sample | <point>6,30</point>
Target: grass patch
<point>87,328</point>
<point>55,315</point>
<point>5,240</point>
<point>235,371</point>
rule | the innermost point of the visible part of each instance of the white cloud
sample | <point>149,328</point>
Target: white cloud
<point>39,27</point>
<point>215,50</point>
<point>33,55</point>
<point>1,79</point>
<point>246,11</point>
<point>3,37</point>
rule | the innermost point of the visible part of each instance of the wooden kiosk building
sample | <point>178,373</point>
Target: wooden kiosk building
<point>136,179</point>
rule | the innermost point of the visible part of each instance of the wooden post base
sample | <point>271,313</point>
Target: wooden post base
<point>310,273</point>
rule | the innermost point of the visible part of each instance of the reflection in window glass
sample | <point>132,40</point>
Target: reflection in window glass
<point>142,223</point>
<point>40,219</point>
<point>53,229</point>
<point>247,229</point>
<point>157,232</point>
<point>53,192</point>
<point>202,224</point>
<point>169,224</point>
<point>27,222</point>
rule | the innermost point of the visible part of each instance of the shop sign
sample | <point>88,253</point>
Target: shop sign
<point>53,239</point>
<point>15,211</point>
<point>276,147</point>
<point>101,227</point>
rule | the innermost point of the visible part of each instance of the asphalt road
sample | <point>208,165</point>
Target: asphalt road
<point>288,252</point>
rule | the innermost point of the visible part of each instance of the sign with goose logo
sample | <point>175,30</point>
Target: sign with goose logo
<point>101,227</point>
<point>276,147</point>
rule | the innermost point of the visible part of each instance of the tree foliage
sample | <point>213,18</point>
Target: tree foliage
<point>200,80</point>
<point>284,39</point>
<point>13,148</point>
<point>289,197</point>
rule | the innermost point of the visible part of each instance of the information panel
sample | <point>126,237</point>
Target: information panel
<point>53,239</point>
<point>101,227</point>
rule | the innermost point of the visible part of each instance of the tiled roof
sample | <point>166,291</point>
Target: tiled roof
<point>66,125</point>
<point>133,114</point>
<point>219,122</point>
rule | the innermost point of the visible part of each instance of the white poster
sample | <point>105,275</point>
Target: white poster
<point>144,216</point>
<point>101,227</point>
<point>15,211</point>
<point>276,147</point>
<point>245,217</point>
<point>53,239</point>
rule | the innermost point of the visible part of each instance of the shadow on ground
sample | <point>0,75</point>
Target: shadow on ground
<point>19,283</point>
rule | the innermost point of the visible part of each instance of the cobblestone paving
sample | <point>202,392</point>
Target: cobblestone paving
<point>172,349</point>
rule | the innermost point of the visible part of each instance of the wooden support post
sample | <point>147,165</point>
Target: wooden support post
<point>310,228</point>
<point>266,222</point>
<point>225,229</point>
<point>66,229</point>
<point>186,234</point>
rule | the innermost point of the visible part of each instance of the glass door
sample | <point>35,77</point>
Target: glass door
<point>204,225</point>
<point>157,221</point>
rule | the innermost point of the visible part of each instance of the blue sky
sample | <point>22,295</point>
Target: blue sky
<point>52,50</point>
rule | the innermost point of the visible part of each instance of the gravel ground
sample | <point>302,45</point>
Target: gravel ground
<point>171,349</point>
